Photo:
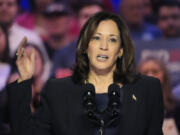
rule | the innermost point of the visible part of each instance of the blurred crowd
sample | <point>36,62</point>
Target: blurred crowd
<point>52,28</point>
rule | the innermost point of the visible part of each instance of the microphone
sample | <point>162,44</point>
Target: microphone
<point>89,101</point>
<point>111,113</point>
<point>114,99</point>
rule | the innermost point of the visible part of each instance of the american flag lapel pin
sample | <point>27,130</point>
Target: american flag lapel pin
<point>134,97</point>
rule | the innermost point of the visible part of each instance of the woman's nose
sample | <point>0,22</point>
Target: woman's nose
<point>104,44</point>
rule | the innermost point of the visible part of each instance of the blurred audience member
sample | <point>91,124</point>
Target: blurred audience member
<point>4,45</point>
<point>57,25</point>
<point>5,60</point>
<point>34,19</point>
<point>149,14</point>
<point>37,85</point>
<point>147,8</point>
<point>38,82</point>
<point>8,12</point>
<point>86,9</point>
<point>133,13</point>
<point>5,70</point>
<point>64,59</point>
<point>156,68</point>
<point>169,18</point>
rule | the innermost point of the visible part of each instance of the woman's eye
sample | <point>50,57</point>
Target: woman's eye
<point>95,38</point>
<point>113,40</point>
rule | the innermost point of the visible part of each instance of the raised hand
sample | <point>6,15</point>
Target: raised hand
<point>25,61</point>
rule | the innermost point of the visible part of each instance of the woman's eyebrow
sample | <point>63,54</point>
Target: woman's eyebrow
<point>98,33</point>
<point>109,35</point>
<point>114,35</point>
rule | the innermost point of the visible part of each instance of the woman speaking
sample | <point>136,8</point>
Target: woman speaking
<point>104,95</point>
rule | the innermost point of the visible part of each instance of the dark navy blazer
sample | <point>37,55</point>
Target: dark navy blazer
<point>62,111</point>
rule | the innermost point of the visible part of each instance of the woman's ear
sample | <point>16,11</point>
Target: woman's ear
<point>120,52</point>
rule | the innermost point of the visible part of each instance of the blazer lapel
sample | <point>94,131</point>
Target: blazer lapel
<point>129,107</point>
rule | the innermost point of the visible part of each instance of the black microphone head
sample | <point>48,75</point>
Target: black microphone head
<point>89,97</point>
<point>114,98</point>
<point>89,90</point>
<point>114,90</point>
<point>89,87</point>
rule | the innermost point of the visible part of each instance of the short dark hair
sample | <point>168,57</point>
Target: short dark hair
<point>168,3</point>
<point>125,66</point>
<point>77,7</point>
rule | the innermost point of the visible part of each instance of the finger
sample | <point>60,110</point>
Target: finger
<point>20,54</point>
<point>18,61</point>
<point>32,56</point>
<point>21,46</point>
<point>24,54</point>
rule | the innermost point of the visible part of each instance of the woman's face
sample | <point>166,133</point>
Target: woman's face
<point>2,41</point>
<point>152,68</point>
<point>104,47</point>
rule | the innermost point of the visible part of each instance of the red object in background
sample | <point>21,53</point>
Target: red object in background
<point>63,72</point>
<point>26,20</point>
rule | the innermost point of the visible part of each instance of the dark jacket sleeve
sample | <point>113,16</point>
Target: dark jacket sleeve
<point>22,121</point>
<point>156,109</point>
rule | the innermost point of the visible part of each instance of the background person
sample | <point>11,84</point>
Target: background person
<point>57,25</point>
<point>64,59</point>
<point>8,13</point>
<point>133,13</point>
<point>169,18</point>
<point>5,71</point>
<point>37,80</point>
<point>34,19</point>
<point>156,68</point>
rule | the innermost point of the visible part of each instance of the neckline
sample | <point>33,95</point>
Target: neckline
<point>99,94</point>
<point>120,86</point>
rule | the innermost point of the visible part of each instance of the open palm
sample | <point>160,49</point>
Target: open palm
<point>25,61</point>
